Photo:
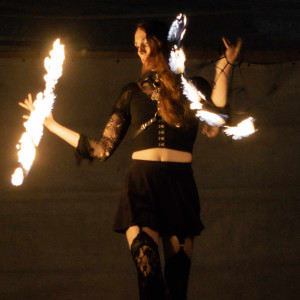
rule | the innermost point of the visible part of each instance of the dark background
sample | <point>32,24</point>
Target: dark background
<point>56,240</point>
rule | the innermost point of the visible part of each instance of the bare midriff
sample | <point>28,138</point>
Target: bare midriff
<point>163,154</point>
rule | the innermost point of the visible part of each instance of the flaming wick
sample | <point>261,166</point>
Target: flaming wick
<point>177,65</point>
<point>243,129</point>
<point>43,105</point>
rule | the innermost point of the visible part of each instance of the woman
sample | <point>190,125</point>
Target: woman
<point>159,197</point>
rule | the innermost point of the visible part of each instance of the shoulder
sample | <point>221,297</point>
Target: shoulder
<point>124,99</point>
<point>127,92</point>
<point>130,87</point>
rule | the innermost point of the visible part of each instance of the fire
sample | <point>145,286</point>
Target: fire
<point>177,29</point>
<point>43,105</point>
<point>243,129</point>
<point>18,177</point>
<point>192,93</point>
<point>177,65</point>
<point>177,60</point>
<point>210,118</point>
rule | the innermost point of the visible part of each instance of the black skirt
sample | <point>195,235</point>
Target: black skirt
<point>162,196</point>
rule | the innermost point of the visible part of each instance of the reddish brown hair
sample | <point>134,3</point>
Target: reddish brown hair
<point>173,106</point>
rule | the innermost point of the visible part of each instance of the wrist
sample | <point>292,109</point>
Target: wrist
<point>49,123</point>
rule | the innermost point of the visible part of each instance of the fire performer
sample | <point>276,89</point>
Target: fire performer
<point>159,198</point>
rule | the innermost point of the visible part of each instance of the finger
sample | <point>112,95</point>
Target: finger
<point>226,42</point>
<point>29,97</point>
<point>214,131</point>
<point>29,103</point>
<point>25,117</point>
<point>23,105</point>
<point>238,44</point>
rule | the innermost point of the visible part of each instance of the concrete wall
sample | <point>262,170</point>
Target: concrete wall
<point>56,240</point>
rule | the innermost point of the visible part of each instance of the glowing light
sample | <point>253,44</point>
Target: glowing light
<point>177,60</point>
<point>18,177</point>
<point>210,118</point>
<point>43,105</point>
<point>190,91</point>
<point>177,65</point>
<point>243,129</point>
<point>177,29</point>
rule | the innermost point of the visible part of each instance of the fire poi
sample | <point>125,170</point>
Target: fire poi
<point>198,101</point>
<point>43,105</point>
<point>44,102</point>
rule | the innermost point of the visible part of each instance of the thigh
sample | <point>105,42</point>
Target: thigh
<point>172,246</point>
<point>133,231</point>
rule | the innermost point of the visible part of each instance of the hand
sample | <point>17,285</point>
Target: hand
<point>28,104</point>
<point>232,50</point>
<point>210,131</point>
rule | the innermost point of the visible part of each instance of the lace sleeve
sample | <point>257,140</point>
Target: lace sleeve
<point>113,133</point>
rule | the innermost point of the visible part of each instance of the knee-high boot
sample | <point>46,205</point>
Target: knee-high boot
<point>146,257</point>
<point>177,269</point>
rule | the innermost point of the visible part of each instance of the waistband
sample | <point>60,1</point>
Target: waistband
<point>161,164</point>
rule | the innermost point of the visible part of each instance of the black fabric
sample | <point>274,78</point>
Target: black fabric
<point>147,260</point>
<point>134,107</point>
<point>159,134</point>
<point>83,150</point>
<point>162,196</point>
<point>113,133</point>
<point>177,270</point>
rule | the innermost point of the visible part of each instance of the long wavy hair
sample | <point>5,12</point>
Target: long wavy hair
<point>173,106</point>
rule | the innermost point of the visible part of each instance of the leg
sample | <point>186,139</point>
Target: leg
<point>133,231</point>
<point>177,265</point>
<point>144,250</point>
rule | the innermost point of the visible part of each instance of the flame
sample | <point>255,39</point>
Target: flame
<point>210,118</point>
<point>175,35</point>
<point>177,65</point>
<point>43,105</point>
<point>243,129</point>
<point>18,177</point>
<point>177,29</point>
<point>192,93</point>
<point>177,60</point>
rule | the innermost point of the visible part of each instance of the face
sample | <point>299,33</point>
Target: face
<point>140,42</point>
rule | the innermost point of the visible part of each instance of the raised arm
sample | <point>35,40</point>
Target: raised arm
<point>223,69</point>
<point>113,133</point>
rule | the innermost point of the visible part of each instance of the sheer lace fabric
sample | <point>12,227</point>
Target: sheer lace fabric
<point>147,260</point>
<point>113,133</point>
<point>145,253</point>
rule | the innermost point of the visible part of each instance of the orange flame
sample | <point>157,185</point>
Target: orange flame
<point>43,104</point>
<point>243,129</point>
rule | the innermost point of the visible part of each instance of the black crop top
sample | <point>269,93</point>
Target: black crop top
<point>134,108</point>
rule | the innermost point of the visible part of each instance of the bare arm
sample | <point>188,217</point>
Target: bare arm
<point>64,133</point>
<point>111,137</point>
<point>223,69</point>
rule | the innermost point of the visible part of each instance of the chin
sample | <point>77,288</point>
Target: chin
<point>146,65</point>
